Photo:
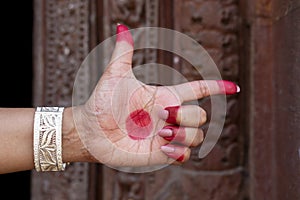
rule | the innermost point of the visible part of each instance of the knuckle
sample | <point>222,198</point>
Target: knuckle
<point>203,116</point>
<point>187,154</point>
<point>204,89</point>
<point>198,139</point>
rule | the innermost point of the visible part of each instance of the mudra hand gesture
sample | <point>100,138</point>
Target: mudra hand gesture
<point>128,123</point>
<point>124,123</point>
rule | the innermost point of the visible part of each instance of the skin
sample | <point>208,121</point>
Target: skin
<point>123,123</point>
<point>139,124</point>
<point>118,94</point>
<point>16,149</point>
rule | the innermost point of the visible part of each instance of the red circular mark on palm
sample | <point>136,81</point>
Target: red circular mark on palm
<point>139,124</point>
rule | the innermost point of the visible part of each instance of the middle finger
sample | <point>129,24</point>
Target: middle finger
<point>186,115</point>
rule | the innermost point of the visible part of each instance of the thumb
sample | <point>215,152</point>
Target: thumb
<point>121,60</point>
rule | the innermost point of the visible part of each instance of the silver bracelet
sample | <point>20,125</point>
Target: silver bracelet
<point>47,139</point>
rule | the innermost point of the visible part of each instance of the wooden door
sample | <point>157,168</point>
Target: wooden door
<point>239,36</point>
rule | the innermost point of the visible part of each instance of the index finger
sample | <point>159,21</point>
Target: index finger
<point>202,88</point>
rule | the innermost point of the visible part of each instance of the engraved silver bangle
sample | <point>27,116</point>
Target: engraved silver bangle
<point>47,139</point>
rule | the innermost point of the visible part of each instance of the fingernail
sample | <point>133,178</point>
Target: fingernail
<point>163,114</point>
<point>121,28</point>
<point>172,118</point>
<point>178,134</point>
<point>123,34</point>
<point>228,87</point>
<point>165,132</point>
<point>167,149</point>
<point>238,89</point>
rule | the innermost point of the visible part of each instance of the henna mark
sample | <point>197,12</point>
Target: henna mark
<point>139,124</point>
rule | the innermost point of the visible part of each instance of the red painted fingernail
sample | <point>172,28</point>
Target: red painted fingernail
<point>178,134</point>
<point>180,159</point>
<point>124,34</point>
<point>169,150</point>
<point>172,114</point>
<point>228,87</point>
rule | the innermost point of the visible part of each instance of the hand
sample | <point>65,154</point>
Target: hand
<point>128,123</point>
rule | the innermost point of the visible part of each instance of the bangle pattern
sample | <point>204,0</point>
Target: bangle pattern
<point>47,141</point>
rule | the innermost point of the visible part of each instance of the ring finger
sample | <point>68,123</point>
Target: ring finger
<point>185,135</point>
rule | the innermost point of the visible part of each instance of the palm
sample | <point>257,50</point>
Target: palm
<point>121,123</point>
<point>128,117</point>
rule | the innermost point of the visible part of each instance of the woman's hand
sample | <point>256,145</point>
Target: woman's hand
<point>128,123</point>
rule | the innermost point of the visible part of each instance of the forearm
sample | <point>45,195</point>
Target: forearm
<point>16,137</point>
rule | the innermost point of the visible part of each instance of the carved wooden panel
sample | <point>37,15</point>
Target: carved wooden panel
<point>65,31</point>
<point>134,14</point>
<point>61,42</point>
<point>215,25</point>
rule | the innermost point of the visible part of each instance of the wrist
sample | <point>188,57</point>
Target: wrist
<point>73,149</point>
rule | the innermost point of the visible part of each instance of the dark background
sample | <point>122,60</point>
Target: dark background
<point>16,78</point>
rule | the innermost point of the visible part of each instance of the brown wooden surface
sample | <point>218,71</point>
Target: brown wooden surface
<point>274,128</point>
<point>287,100</point>
<point>61,42</point>
<point>261,149</point>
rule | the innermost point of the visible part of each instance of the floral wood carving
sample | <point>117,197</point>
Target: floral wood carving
<point>61,42</point>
